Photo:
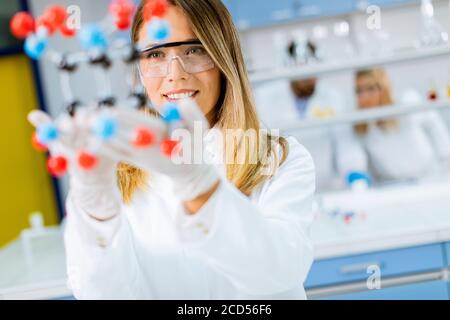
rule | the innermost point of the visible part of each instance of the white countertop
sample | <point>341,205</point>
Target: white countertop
<point>396,216</point>
<point>45,279</point>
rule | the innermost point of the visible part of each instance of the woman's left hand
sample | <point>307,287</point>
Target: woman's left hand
<point>191,179</point>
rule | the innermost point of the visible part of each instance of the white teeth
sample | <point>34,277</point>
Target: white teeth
<point>178,96</point>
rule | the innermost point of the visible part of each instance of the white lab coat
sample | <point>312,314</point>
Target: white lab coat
<point>235,247</point>
<point>276,104</point>
<point>416,150</point>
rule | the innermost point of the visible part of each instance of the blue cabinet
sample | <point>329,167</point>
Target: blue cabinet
<point>322,8</point>
<point>362,4</point>
<point>447,253</point>
<point>230,4</point>
<point>432,290</point>
<point>255,13</point>
<point>390,263</point>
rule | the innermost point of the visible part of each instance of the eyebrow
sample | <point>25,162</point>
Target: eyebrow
<point>170,44</point>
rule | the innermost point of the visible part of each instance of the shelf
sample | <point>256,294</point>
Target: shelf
<point>368,115</point>
<point>294,20</point>
<point>304,72</point>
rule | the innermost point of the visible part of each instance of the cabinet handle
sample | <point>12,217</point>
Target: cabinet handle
<point>358,267</point>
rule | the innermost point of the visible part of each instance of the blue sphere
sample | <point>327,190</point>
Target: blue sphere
<point>356,175</point>
<point>93,37</point>
<point>158,30</point>
<point>47,133</point>
<point>35,46</point>
<point>171,113</point>
<point>106,127</point>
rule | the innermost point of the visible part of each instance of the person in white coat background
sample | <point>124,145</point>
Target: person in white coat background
<point>284,103</point>
<point>414,146</point>
<point>142,227</point>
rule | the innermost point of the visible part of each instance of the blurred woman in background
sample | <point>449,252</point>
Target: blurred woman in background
<point>408,147</point>
<point>284,103</point>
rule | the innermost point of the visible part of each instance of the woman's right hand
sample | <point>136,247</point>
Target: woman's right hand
<point>95,190</point>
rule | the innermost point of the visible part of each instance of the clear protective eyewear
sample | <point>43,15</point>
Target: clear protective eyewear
<point>156,61</point>
<point>369,89</point>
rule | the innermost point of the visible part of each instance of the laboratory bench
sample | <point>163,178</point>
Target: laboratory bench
<point>400,231</point>
<point>39,276</point>
<point>399,234</point>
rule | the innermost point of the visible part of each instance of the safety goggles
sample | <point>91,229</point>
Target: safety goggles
<point>156,61</point>
<point>369,89</point>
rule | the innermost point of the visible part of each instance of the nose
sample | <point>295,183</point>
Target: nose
<point>367,100</point>
<point>176,70</point>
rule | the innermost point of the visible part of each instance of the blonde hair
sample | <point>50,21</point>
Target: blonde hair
<point>382,81</point>
<point>212,24</point>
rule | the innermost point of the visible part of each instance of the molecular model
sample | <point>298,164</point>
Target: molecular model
<point>100,52</point>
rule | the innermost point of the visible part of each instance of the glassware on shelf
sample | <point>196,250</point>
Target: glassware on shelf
<point>37,237</point>
<point>299,49</point>
<point>448,83</point>
<point>372,40</point>
<point>411,96</point>
<point>320,36</point>
<point>432,91</point>
<point>431,33</point>
<point>305,50</point>
<point>293,49</point>
<point>341,42</point>
<point>281,43</point>
<point>332,43</point>
<point>374,43</point>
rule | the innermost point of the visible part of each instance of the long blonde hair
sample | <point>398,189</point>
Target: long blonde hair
<point>212,24</point>
<point>382,81</point>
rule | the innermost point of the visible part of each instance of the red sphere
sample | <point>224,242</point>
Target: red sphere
<point>143,138</point>
<point>36,144</point>
<point>66,31</point>
<point>43,22</point>
<point>123,24</point>
<point>155,8</point>
<point>122,9</point>
<point>22,24</point>
<point>168,146</point>
<point>87,161</point>
<point>57,166</point>
<point>55,15</point>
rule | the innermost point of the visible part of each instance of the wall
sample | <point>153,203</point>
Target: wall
<point>25,185</point>
<point>402,23</point>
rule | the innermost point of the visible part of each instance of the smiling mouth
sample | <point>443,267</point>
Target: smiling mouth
<point>179,96</point>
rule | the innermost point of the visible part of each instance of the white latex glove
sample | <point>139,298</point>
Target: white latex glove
<point>191,179</point>
<point>96,190</point>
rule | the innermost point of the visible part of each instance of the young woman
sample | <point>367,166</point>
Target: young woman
<point>409,147</point>
<point>191,231</point>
